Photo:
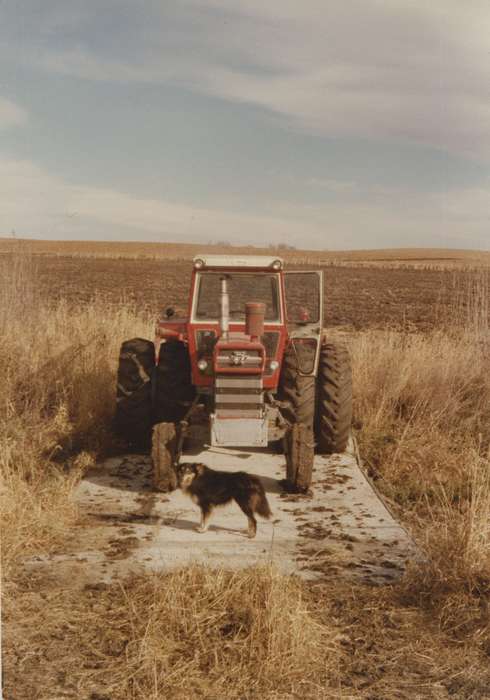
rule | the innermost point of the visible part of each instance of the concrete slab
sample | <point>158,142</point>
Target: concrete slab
<point>342,528</point>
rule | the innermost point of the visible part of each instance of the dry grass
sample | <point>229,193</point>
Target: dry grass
<point>193,633</point>
<point>57,369</point>
<point>422,405</point>
<point>201,633</point>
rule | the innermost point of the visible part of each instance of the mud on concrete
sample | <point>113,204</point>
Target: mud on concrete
<point>341,526</point>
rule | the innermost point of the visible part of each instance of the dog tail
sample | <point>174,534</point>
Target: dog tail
<point>262,504</point>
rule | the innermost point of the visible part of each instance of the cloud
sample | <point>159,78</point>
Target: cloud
<point>403,70</point>
<point>34,203</point>
<point>11,114</point>
<point>37,204</point>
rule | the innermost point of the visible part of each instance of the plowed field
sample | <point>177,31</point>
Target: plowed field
<point>355,297</point>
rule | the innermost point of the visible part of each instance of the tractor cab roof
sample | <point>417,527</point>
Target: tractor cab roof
<point>257,262</point>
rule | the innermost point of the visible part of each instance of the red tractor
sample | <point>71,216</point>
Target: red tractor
<point>249,365</point>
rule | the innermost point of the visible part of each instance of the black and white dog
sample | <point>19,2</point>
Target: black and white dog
<point>209,488</point>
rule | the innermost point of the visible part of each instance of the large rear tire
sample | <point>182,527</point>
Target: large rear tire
<point>174,391</point>
<point>334,399</point>
<point>133,418</point>
<point>298,390</point>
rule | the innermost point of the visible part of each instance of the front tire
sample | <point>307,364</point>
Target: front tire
<point>300,455</point>
<point>298,390</point>
<point>334,399</point>
<point>163,453</point>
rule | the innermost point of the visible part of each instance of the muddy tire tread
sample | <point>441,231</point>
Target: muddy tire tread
<point>300,455</point>
<point>334,399</point>
<point>298,390</point>
<point>133,406</point>
<point>174,390</point>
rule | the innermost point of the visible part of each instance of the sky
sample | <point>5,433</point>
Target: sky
<point>323,124</point>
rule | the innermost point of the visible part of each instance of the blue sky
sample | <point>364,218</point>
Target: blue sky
<point>323,124</point>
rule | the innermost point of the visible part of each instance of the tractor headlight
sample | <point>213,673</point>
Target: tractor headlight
<point>274,364</point>
<point>198,263</point>
<point>276,265</point>
<point>202,364</point>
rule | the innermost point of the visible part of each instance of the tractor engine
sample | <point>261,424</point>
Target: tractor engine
<point>239,417</point>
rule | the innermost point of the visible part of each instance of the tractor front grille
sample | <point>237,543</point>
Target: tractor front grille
<point>239,397</point>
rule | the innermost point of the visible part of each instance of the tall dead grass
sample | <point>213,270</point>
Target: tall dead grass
<point>422,404</point>
<point>201,632</point>
<point>194,633</point>
<point>422,414</point>
<point>57,369</point>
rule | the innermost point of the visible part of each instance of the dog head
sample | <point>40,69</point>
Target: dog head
<point>187,472</point>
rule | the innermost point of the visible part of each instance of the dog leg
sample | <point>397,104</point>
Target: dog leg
<point>252,527</point>
<point>252,523</point>
<point>205,517</point>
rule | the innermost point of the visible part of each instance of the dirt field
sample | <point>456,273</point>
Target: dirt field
<point>420,258</point>
<point>355,297</point>
<point>396,289</point>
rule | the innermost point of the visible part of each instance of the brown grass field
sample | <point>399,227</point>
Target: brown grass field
<point>430,258</point>
<point>419,336</point>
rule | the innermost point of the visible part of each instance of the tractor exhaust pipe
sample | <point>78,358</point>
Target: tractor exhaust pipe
<point>224,321</point>
<point>254,319</point>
